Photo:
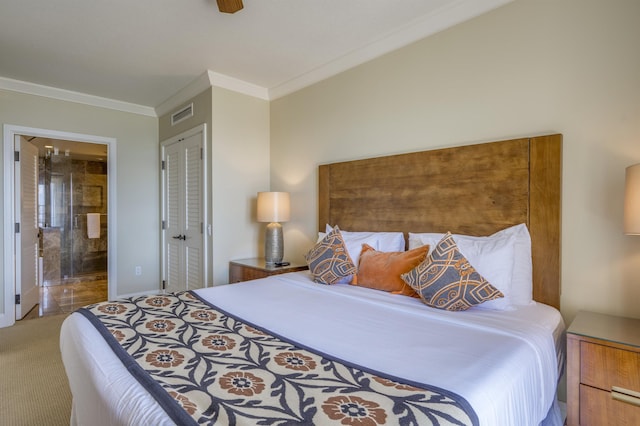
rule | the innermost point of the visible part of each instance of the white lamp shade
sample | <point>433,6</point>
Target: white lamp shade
<point>273,206</point>
<point>632,200</point>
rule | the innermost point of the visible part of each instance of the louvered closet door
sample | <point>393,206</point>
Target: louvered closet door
<point>173,218</point>
<point>183,233</point>
<point>192,230</point>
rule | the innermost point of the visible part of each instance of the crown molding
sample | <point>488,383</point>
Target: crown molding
<point>439,20</point>
<point>203,82</point>
<point>70,96</point>
<point>236,85</point>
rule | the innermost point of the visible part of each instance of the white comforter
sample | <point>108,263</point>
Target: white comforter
<point>504,363</point>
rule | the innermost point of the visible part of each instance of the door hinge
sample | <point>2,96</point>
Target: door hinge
<point>162,164</point>
<point>17,299</point>
<point>201,154</point>
<point>164,284</point>
<point>201,228</point>
<point>16,155</point>
<point>164,224</point>
<point>17,227</point>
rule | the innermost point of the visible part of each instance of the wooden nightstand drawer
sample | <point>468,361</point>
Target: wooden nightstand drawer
<point>597,407</point>
<point>604,367</point>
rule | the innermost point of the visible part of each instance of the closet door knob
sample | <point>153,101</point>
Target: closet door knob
<point>177,237</point>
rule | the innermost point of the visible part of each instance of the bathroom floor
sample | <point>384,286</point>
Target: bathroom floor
<point>66,298</point>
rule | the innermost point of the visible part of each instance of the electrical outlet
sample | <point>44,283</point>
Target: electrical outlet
<point>138,270</point>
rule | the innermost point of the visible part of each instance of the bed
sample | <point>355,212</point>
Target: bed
<point>287,350</point>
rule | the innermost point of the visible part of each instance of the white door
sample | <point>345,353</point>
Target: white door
<point>26,205</point>
<point>193,226</point>
<point>174,218</point>
<point>183,203</point>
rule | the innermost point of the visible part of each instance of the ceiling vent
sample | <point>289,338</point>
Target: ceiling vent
<point>182,114</point>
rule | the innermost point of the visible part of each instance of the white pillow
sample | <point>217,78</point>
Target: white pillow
<point>354,244</point>
<point>381,241</point>
<point>521,291</point>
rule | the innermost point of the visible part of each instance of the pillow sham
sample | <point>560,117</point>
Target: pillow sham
<point>355,243</point>
<point>521,291</point>
<point>329,261</point>
<point>446,279</point>
<point>385,241</point>
<point>381,270</point>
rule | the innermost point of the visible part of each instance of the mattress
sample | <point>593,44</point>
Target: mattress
<point>506,364</point>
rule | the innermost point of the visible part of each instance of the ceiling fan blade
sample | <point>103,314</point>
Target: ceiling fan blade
<point>229,6</point>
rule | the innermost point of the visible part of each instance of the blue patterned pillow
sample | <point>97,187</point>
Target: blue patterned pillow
<point>446,279</point>
<point>329,260</point>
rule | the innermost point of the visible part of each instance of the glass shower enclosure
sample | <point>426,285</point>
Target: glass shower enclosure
<point>72,215</point>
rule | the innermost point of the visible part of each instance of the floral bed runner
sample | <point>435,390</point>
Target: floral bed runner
<point>205,366</point>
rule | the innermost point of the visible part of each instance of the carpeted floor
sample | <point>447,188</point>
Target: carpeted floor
<point>33,383</point>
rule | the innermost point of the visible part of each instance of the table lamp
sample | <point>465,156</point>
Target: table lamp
<point>632,201</point>
<point>273,207</point>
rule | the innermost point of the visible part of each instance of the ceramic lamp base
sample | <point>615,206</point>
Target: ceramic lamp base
<point>273,244</point>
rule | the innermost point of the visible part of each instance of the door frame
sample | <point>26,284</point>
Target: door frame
<point>7,317</point>
<point>202,128</point>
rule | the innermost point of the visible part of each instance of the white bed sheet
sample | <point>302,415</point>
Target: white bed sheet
<point>504,363</point>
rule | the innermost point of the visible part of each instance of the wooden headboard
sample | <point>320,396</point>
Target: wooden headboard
<point>473,190</point>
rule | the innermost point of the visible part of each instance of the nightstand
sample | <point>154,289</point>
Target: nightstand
<point>603,370</point>
<point>252,269</point>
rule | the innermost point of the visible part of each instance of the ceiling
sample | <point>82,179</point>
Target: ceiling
<point>143,52</point>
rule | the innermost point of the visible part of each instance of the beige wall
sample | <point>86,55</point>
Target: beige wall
<point>137,175</point>
<point>201,114</point>
<point>528,68</point>
<point>531,67</point>
<point>238,167</point>
<point>239,161</point>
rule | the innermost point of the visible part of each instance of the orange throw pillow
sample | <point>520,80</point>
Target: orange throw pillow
<point>381,270</point>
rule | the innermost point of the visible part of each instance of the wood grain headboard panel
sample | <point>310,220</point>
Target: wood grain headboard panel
<point>474,190</point>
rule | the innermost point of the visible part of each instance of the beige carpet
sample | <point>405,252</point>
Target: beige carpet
<point>33,383</point>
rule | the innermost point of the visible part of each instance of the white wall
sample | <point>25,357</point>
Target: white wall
<point>137,175</point>
<point>531,67</point>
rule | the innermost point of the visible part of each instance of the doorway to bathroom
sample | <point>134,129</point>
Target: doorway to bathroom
<point>22,214</point>
<point>72,220</point>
